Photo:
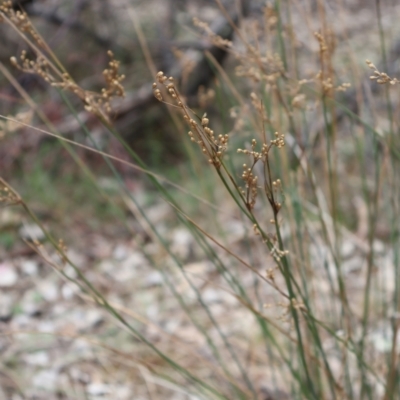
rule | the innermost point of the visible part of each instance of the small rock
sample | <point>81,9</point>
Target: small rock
<point>48,290</point>
<point>120,252</point>
<point>8,275</point>
<point>31,232</point>
<point>347,249</point>
<point>211,295</point>
<point>46,379</point>
<point>31,302</point>
<point>135,260</point>
<point>84,320</point>
<point>182,242</point>
<point>123,393</point>
<point>39,358</point>
<point>8,218</point>
<point>379,246</point>
<point>154,278</point>
<point>46,326</point>
<point>69,290</point>
<point>127,269</point>
<point>382,338</point>
<point>199,267</point>
<point>69,270</point>
<point>94,317</point>
<point>29,267</point>
<point>20,322</point>
<point>98,389</point>
<point>6,306</point>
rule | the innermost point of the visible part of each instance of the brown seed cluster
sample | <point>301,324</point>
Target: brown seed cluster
<point>251,180</point>
<point>19,19</point>
<point>200,133</point>
<point>327,85</point>
<point>42,65</point>
<point>327,46</point>
<point>380,77</point>
<point>278,142</point>
<point>270,274</point>
<point>277,254</point>
<point>99,104</point>
<point>214,146</point>
<point>113,79</point>
<point>321,40</point>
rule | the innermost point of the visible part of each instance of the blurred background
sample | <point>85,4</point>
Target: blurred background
<point>120,229</point>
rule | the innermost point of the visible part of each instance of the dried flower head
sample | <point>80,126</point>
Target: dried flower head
<point>20,21</point>
<point>321,41</point>
<point>250,179</point>
<point>99,104</point>
<point>200,133</point>
<point>380,77</point>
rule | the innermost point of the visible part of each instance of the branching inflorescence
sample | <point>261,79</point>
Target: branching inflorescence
<point>271,187</point>
<point>96,103</point>
<point>45,65</point>
<point>380,77</point>
<point>212,146</point>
